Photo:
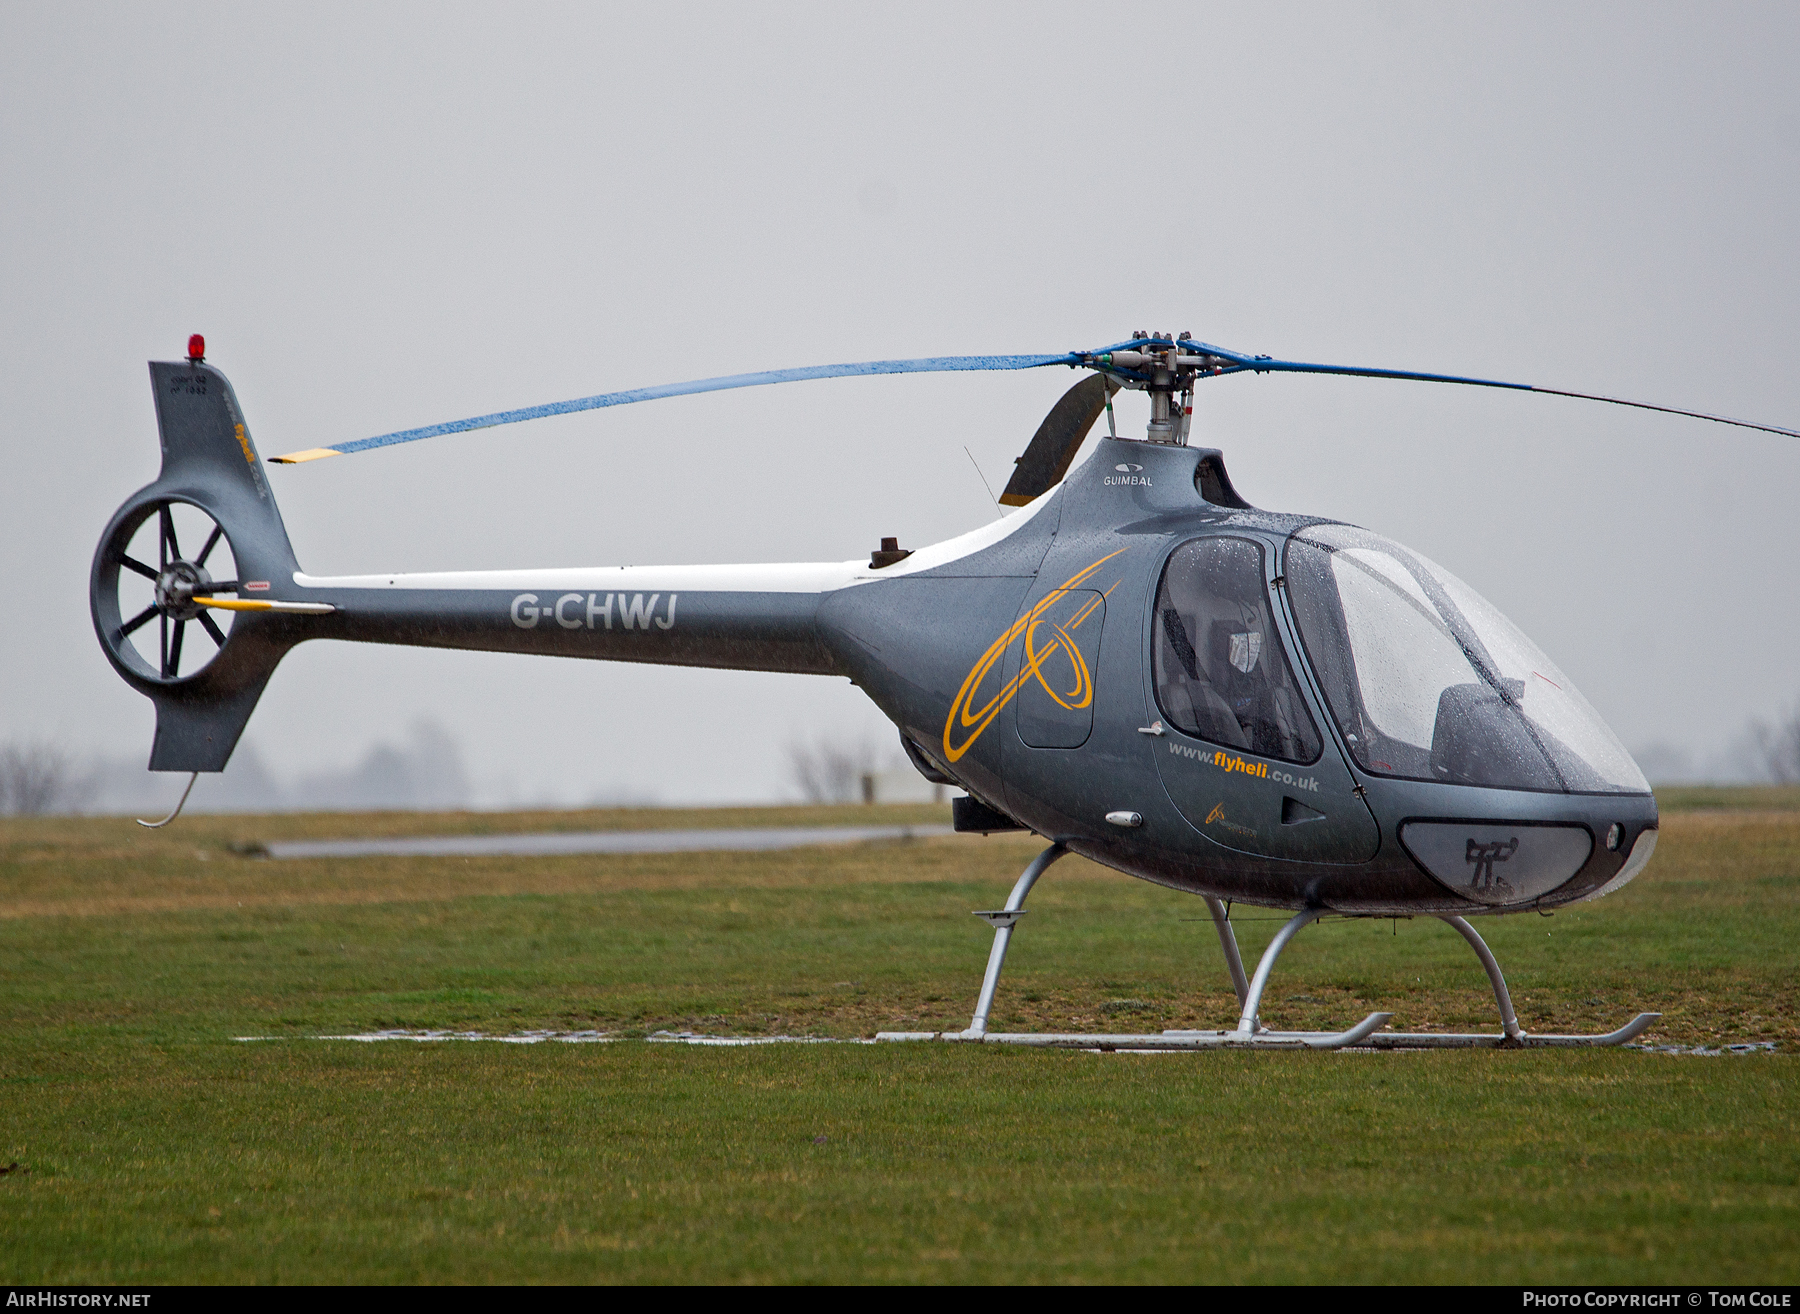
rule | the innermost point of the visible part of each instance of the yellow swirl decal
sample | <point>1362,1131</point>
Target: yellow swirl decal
<point>975,721</point>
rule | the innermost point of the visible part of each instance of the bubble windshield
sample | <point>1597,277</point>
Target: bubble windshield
<point>1428,681</point>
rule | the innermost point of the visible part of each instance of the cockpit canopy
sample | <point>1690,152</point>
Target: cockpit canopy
<point>1429,682</point>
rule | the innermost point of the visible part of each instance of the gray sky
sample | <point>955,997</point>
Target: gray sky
<point>384,216</point>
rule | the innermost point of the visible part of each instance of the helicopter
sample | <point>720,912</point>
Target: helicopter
<point>1136,664</point>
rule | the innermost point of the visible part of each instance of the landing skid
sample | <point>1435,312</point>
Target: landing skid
<point>1250,1032</point>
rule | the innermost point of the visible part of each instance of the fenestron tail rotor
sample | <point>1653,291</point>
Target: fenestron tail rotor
<point>176,591</point>
<point>179,590</point>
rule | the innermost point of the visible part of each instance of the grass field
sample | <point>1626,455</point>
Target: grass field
<point>153,1147</point>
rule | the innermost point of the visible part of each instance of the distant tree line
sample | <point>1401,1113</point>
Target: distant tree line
<point>829,770</point>
<point>423,772</point>
<point>1779,742</point>
<point>38,777</point>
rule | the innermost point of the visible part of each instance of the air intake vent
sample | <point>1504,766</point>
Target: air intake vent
<point>1214,485</point>
<point>1296,813</point>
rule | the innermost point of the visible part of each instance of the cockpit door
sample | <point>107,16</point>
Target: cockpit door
<point>1241,753</point>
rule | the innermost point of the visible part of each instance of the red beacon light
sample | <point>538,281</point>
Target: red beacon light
<point>196,348</point>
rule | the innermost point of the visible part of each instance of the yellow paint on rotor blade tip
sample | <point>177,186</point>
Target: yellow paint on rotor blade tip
<point>251,604</point>
<point>310,454</point>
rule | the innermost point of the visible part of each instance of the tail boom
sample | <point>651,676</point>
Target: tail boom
<point>749,618</point>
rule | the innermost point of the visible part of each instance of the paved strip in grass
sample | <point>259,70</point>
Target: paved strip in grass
<point>551,843</point>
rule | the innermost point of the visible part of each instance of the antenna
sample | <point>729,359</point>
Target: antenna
<point>984,482</point>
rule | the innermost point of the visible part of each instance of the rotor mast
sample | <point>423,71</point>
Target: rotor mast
<point>1164,367</point>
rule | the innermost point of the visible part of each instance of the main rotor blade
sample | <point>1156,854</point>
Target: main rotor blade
<point>925,365</point>
<point>1672,410</point>
<point>1059,437</point>
<point>1210,360</point>
<point>1241,364</point>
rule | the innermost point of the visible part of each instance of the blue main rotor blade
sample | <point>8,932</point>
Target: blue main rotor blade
<point>1235,363</point>
<point>924,365</point>
<point>1241,364</point>
<point>1264,365</point>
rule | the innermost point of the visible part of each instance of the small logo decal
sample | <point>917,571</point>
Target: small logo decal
<point>1245,649</point>
<point>1482,857</point>
<point>1217,816</point>
<point>1128,468</point>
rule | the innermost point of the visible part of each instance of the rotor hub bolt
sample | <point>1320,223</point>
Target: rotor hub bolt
<point>176,587</point>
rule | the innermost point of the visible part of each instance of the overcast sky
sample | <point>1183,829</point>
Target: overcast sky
<point>382,216</point>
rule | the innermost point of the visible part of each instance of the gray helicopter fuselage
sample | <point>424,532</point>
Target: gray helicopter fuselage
<point>1016,661</point>
<point>1213,818</point>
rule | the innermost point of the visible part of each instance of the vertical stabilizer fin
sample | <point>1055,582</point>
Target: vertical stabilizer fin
<point>208,461</point>
<point>1059,437</point>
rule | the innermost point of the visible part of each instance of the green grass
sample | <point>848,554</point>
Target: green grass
<point>1730,798</point>
<point>158,1149</point>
